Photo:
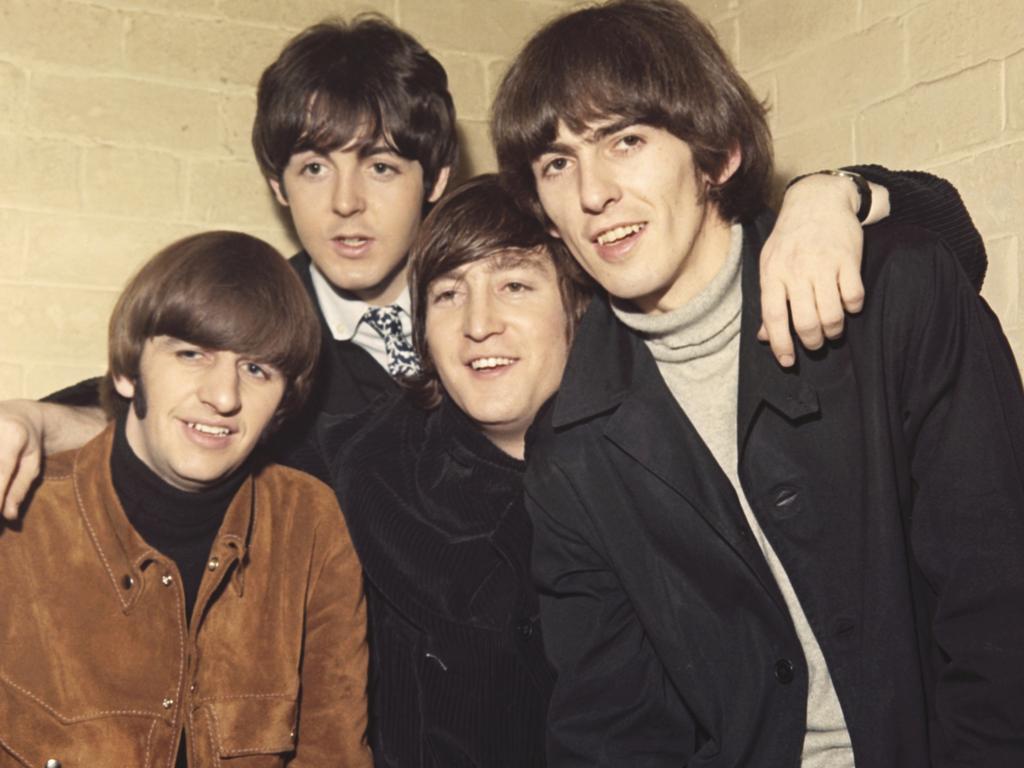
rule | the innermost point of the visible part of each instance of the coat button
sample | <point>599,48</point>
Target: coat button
<point>525,628</point>
<point>167,579</point>
<point>784,671</point>
<point>786,502</point>
<point>167,703</point>
<point>127,581</point>
<point>52,763</point>
<point>213,564</point>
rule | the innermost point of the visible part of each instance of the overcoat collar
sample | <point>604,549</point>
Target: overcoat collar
<point>610,363</point>
<point>611,369</point>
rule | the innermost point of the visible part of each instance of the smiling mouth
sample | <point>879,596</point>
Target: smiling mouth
<point>487,363</point>
<point>614,235</point>
<point>208,429</point>
<point>351,242</point>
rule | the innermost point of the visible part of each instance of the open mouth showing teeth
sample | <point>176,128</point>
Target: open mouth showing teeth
<point>206,429</point>
<point>352,242</point>
<point>619,233</point>
<point>484,363</point>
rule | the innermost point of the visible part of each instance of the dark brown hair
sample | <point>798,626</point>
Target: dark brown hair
<point>476,221</point>
<point>335,82</point>
<point>646,61</point>
<point>224,291</point>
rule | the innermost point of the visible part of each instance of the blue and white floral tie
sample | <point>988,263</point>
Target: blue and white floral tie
<point>387,321</point>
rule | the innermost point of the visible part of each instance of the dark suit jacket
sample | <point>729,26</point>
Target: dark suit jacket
<point>348,380</point>
<point>886,471</point>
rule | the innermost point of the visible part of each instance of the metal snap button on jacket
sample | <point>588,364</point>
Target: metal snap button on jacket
<point>213,564</point>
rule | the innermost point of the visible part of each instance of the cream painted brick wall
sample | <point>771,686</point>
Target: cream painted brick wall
<point>931,84</point>
<point>125,124</point>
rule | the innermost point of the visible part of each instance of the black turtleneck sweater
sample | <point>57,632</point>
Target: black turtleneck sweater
<point>181,525</point>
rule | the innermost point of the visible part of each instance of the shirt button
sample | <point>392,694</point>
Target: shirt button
<point>213,564</point>
<point>167,579</point>
<point>525,628</point>
<point>784,671</point>
<point>167,703</point>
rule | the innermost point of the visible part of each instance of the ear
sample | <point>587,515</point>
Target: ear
<point>125,387</point>
<point>731,165</point>
<point>440,185</point>
<point>282,198</point>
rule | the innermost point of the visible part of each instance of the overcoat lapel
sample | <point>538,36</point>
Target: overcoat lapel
<point>610,367</point>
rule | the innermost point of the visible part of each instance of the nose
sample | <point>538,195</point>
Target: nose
<point>219,387</point>
<point>348,198</point>
<point>481,316</point>
<point>597,186</point>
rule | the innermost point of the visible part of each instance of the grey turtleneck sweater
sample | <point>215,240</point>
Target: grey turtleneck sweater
<point>697,350</point>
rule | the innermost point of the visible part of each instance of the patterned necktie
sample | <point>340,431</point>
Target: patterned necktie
<point>387,322</point>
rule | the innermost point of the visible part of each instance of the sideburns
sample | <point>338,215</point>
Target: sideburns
<point>139,400</point>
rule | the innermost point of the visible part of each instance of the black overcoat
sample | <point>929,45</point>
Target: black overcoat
<point>885,471</point>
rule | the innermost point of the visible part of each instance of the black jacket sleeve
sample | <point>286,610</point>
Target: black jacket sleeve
<point>926,201</point>
<point>613,704</point>
<point>84,393</point>
<point>962,406</point>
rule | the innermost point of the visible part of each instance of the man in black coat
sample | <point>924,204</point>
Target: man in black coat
<point>742,564</point>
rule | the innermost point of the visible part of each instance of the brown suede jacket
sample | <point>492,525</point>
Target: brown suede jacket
<point>98,668</point>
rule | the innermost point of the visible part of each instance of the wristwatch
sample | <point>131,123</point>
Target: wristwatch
<point>863,188</point>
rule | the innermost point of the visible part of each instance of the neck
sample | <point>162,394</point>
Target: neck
<point>513,443</point>
<point>707,256</point>
<point>388,290</point>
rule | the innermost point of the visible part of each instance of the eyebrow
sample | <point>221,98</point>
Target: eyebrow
<point>377,147</point>
<point>514,259</point>
<point>597,134</point>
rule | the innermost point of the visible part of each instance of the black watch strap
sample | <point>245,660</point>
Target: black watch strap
<point>863,188</point>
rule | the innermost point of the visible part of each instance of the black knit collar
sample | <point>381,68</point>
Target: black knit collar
<point>467,436</point>
<point>157,509</point>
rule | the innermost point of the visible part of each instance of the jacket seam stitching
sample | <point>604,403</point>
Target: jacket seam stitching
<point>77,718</point>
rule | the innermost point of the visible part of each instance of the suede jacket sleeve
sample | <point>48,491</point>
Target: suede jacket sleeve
<point>333,709</point>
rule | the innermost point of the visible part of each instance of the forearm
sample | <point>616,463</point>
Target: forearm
<point>65,427</point>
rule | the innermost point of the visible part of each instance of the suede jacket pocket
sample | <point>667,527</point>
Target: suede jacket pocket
<point>246,726</point>
<point>33,732</point>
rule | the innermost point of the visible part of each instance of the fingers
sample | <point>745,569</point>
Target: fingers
<point>16,458</point>
<point>804,309</point>
<point>829,309</point>
<point>25,472</point>
<point>851,288</point>
<point>775,322</point>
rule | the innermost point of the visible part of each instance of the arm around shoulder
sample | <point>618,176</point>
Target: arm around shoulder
<point>28,429</point>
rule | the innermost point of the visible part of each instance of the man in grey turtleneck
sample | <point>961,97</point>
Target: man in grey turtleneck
<point>742,564</point>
